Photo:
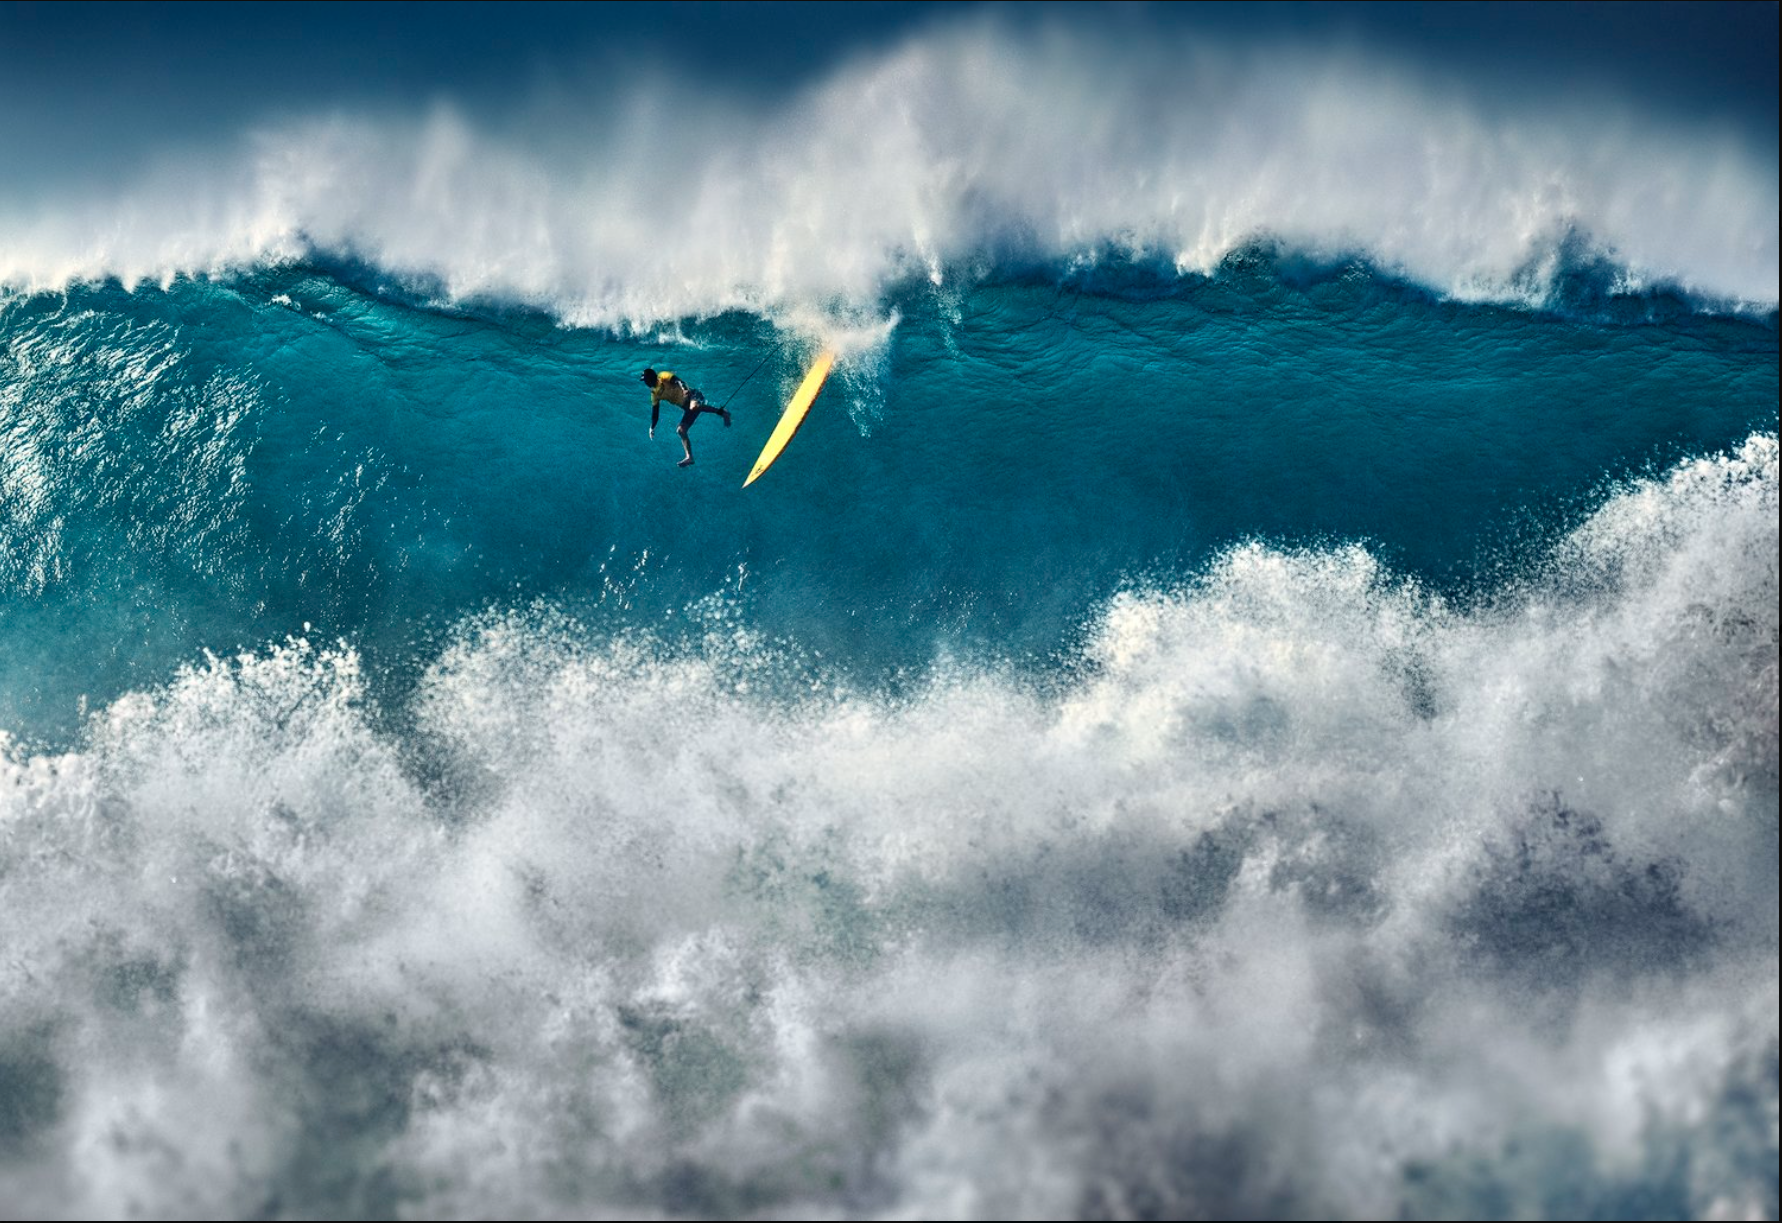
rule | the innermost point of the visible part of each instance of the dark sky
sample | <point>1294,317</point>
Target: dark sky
<point>93,89</point>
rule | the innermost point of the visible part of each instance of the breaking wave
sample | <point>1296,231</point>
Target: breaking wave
<point>970,143</point>
<point>1296,890</point>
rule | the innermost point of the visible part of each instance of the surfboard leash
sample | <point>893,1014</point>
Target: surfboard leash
<point>771,353</point>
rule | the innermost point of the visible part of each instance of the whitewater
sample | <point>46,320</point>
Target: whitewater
<point>659,201</point>
<point>1253,694</point>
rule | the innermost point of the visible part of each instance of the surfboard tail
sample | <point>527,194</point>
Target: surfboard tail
<point>796,410</point>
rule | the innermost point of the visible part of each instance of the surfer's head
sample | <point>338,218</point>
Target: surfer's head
<point>649,377</point>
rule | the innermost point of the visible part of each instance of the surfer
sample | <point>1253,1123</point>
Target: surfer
<point>666,385</point>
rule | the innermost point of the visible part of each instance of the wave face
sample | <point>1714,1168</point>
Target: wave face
<point>1276,743</point>
<point>310,452</point>
<point>973,138</point>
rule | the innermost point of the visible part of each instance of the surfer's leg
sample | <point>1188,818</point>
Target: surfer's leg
<point>696,403</point>
<point>687,418</point>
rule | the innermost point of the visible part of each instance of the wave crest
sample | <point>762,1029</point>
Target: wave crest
<point>958,147</point>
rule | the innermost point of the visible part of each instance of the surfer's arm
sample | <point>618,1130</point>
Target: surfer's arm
<point>655,409</point>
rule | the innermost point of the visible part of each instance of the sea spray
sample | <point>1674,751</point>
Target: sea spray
<point>1291,853</point>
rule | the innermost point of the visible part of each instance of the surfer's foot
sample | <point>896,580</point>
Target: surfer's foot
<point>725,413</point>
<point>686,462</point>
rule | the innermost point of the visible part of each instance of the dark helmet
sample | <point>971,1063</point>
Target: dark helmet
<point>649,376</point>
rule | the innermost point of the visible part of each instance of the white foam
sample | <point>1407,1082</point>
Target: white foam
<point>936,155</point>
<point>1211,923</point>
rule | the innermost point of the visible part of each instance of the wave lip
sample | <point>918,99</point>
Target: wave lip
<point>960,146</point>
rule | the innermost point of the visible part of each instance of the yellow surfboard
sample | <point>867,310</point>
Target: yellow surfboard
<point>793,416</point>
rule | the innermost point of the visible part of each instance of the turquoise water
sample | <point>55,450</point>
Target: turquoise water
<point>221,464</point>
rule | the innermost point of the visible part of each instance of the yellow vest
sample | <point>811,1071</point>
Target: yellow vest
<point>670,388</point>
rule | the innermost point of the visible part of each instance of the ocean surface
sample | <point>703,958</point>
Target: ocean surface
<point>1283,728</point>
